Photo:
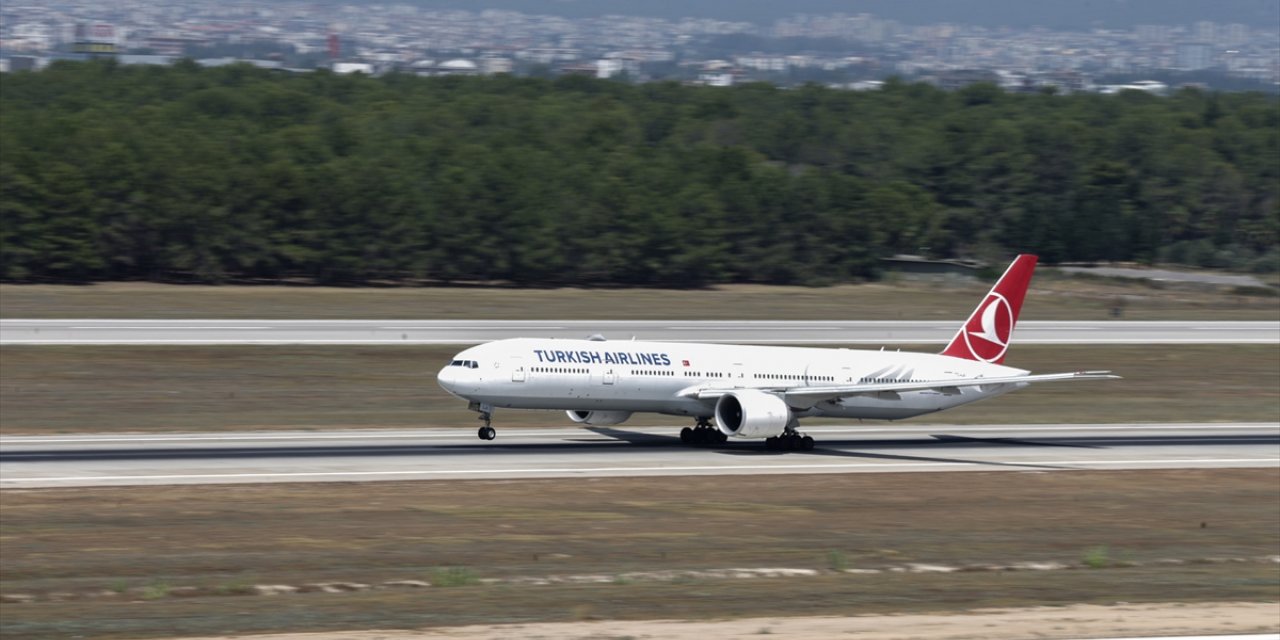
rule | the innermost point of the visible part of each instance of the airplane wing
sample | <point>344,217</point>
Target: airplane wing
<point>808,396</point>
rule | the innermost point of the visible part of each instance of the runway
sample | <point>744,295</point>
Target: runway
<point>373,455</point>
<point>371,332</point>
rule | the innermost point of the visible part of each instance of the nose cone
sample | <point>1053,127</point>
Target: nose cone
<point>447,378</point>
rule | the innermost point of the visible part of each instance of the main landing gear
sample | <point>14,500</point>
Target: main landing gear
<point>486,432</point>
<point>790,440</point>
<point>703,434</point>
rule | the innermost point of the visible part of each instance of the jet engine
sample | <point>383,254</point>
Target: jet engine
<point>599,418</point>
<point>752,414</point>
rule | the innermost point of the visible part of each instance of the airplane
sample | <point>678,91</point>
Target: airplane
<point>747,392</point>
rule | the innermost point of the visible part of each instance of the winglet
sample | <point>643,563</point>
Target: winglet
<point>985,335</point>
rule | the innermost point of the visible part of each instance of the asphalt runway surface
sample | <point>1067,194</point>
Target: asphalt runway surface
<point>367,332</point>
<point>589,452</point>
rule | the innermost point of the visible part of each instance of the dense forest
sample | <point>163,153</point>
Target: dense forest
<point>182,173</point>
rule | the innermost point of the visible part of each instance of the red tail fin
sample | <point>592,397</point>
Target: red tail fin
<point>985,335</point>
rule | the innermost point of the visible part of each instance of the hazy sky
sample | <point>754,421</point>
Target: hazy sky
<point>1071,14</point>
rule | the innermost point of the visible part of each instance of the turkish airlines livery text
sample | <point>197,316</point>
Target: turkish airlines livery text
<point>749,392</point>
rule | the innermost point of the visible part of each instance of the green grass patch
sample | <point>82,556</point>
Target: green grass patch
<point>156,590</point>
<point>453,577</point>
<point>1097,557</point>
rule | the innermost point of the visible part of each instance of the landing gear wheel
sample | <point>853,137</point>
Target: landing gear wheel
<point>702,434</point>
<point>487,433</point>
<point>789,441</point>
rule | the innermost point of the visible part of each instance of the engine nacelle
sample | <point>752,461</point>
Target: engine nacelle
<point>599,418</point>
<point>751,414</point>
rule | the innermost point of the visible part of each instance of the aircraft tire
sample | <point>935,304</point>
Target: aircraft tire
<point>686,435</point>
<point>806,443</point>
<point>487,433</point>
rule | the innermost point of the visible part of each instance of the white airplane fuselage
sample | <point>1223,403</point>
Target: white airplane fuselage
<point>663,377</point>
<point>752,392</point>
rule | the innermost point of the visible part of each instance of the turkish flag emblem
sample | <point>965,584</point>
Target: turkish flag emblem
<point>987,332</point>
<point>686,362</point>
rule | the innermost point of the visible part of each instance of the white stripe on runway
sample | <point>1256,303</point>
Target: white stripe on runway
<point>633,471</point>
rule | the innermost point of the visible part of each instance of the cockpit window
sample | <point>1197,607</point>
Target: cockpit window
<point>470,364</point>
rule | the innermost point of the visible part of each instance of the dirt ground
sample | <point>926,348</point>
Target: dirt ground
<point>1046,623</point>
<point>1052,297</point>
<point>174,389</point>
<point>160,562</point>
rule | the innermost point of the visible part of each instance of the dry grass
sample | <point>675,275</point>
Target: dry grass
<point>1051,298</point>
<point>226,537</point>
<point>47,389</point>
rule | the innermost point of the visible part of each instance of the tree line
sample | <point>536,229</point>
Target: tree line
<point>184,173</point>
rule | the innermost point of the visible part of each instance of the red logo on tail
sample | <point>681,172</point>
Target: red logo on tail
<point>985,335</point>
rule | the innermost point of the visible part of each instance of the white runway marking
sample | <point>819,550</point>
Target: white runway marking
<point>629,471</point>
<point>176,327</point>
<point>356,456</point>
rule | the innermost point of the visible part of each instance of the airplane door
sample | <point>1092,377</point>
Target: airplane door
<point>609,377</point>
<point>517,371</point>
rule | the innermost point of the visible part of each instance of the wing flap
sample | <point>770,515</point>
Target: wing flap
<point>807,396</point>
<point>947,387</point>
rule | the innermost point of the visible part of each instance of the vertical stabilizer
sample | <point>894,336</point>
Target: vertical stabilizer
<point>985,335</point>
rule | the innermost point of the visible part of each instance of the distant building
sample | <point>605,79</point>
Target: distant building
<point>723,79</point>
<point>353,67</point>
<point>490,65</point>
<point>1193,56</point>
<point>96,40</point>
<point>867,85</point>
<point>1150,86</point>
<point>424,67</point>
<point>1233,34</point>
<point>457,67</point>
<point>608,68</point>
<point>1065,81</point>
<point>171,45</point>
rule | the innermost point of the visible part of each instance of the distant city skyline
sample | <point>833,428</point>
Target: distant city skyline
<point>1081,14</point>
<point>842,49</point>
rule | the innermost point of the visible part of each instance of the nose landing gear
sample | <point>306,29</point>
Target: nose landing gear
<point>485,432</point>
